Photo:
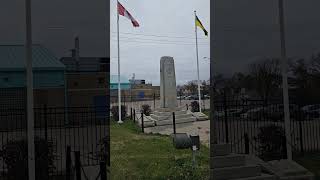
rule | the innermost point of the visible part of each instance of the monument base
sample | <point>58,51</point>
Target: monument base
<point>164,116</point>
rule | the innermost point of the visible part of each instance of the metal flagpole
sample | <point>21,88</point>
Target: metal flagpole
<point>285,81</point>
<point>30,126</point>
<point>199,92</point>
<point>119,85</point>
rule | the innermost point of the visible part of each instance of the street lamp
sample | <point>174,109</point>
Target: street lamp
<point>285,80</point>
<point>29,84</point>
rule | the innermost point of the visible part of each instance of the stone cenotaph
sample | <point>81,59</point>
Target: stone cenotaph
<point>168,97</point>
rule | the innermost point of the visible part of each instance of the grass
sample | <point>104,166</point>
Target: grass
<point>207,112</point>
<point>311,162</point>
<point>135,155</point>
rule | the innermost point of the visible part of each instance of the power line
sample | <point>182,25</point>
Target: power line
<point>153,35</point>
<point>157,40</point>
<point>158,43</point>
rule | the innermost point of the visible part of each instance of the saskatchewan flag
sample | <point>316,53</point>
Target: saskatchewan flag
<point>199,24</point>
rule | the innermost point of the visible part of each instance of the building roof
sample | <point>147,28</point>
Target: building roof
<point>12,58</point>
<point>114,79</point>
<point>86,64</point>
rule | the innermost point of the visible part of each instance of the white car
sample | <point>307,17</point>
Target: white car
<point>252,113</point>
<point>312,110</point>
<point>230,112</point>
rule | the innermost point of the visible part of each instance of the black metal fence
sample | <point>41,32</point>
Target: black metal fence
<point>153,101</point>
<point>83,129</point>
<point>241,123</point>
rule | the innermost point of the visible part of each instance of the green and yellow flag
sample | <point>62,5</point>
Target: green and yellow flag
<point>199,24</point>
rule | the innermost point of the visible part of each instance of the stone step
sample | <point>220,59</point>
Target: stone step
<point>160,118</point>
<point>299,177</point>
<point>147,122</point>
<point>236,172</point>
<point>178,121</point>
<point>200,116</point>
<point>228,161</point>
<point>180,108</point>
<point>261,177</point>
<point>221,149</point>
<point>159,113</point>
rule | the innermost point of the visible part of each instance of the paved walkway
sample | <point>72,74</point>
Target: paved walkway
<point>199,127</point>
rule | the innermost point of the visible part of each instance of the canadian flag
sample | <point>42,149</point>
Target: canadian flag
<point>122,11</point>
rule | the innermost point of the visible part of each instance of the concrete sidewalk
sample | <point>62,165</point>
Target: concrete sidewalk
<point>199,127</point>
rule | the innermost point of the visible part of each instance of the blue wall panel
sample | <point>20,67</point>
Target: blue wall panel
<point>42,79</point>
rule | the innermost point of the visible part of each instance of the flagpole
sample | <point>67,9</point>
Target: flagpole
<point>199,92</point>
<point>30,115</point>
<point>119,85</point>
<point>285,82</point>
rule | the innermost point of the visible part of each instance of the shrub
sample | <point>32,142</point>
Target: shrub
<point>15,155</point>
<point>271,141</point>
<point>195,106</point>
<point>146,109</point>
<point>115,112</point>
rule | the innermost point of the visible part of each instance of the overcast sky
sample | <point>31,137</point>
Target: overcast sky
<point>244,30</point>
<point>55,24</point>
<point>166,29</point>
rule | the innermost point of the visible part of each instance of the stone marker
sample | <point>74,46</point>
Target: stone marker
<point>168,97</point>
<point>168,91</point>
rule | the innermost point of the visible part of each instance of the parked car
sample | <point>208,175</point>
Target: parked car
<point>311,111</point>
<point>180,97</point>
<point>276,112</point>
<point>254,113</point>
<point>188,98</point>
<point>191,97</point>
<point>234,112</point>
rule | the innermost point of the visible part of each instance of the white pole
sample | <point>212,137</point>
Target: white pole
<point>119,85</point>
<point>285,81</point>
<point>31,158</point>
<point>199,92</point>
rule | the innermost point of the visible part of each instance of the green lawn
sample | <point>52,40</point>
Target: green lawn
<point>311,162</point>
<point>139,156</point>
<point>207,112</point>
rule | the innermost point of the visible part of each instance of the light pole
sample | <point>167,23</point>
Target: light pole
<point>285,80</point>
<point>29,84</point>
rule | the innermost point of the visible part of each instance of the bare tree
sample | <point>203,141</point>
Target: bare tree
<point>192,86</point>
<point>266,77</point>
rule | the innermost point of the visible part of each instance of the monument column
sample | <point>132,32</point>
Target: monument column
<point>168,91</point>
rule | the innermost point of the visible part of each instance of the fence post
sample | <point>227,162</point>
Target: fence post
<point>45,122</point>
<point>284,150</point>
<point>300,133</point>
<point>187,107</point>
<point>154,101</point>
<point>78,165</point>
<point>246,143</point>
<point>142,123</point>
<point>68,163</point>
<point>124,100</point>
<point>204,103</point>
<point>103,170</point>
<point>226,116</point>
<point>131,113</point>
<point>174,122</point>
<point>134,115</point>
